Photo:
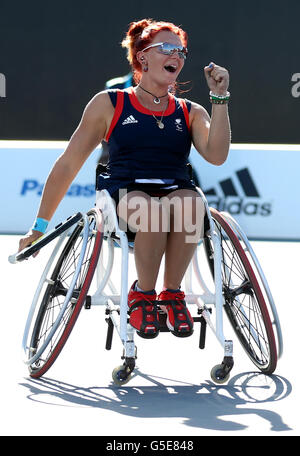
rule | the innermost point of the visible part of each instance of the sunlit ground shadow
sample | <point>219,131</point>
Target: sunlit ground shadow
<point>204,406</point>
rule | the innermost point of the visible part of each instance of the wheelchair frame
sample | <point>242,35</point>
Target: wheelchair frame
<point>106,205</point>
<point>116,303</point>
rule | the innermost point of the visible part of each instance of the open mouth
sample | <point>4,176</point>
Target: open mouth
<point>170,68</point>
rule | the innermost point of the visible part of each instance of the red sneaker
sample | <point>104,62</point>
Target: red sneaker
<point>179,319</point>
<point>143,313</point>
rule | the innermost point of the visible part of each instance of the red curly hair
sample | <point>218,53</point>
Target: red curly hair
<point>140,35</point>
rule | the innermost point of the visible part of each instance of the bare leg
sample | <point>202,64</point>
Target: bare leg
<point>145,214</point>
<point>187,207</point>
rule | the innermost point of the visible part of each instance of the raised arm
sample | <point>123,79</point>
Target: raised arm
<point>89,133</point>
<point>211,136</point>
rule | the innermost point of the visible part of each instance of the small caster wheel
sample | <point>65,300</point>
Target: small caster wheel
<point>218,374</point>
<point>121,375</point>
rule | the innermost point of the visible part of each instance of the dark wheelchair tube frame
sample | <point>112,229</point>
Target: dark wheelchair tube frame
<point>45,239</point>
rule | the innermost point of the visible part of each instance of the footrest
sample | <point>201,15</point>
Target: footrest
<point>162,321</point>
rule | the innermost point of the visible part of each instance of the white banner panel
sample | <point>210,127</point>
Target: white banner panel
<point>258,185</point>
<point>24,170</point>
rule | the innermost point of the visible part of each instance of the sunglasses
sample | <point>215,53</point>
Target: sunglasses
<point>169,49</point>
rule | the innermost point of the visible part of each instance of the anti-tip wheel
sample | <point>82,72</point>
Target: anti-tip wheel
<point>218,374</point>
<point>121,375</point>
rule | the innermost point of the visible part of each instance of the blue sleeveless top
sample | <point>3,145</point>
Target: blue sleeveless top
<point>139,149</point>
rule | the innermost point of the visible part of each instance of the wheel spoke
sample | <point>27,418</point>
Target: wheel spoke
<point>53,301</point>
<point>244,303</point>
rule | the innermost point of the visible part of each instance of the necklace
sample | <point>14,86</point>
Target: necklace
<point>156,99</point>
<point>159,122</point>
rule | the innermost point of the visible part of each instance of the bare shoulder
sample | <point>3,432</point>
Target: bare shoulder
<point>198,112</point>
<point>99,105</point>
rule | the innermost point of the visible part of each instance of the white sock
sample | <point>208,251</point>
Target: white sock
<point>137,288</point>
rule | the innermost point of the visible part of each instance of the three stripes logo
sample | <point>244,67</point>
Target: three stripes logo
<point>240,195</point>
<point>129,120</point>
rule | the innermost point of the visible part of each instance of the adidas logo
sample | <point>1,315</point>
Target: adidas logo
<point>240,195</point>
<point>129,120</point>
<point>229,189</point>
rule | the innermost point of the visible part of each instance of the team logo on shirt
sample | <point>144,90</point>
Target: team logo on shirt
<point>178,125</point>
<point>129,120</point>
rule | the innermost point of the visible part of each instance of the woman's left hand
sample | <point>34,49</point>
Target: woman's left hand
<point>217,78</point>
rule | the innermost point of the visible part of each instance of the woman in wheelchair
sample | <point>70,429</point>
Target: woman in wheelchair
<point>149,132</point>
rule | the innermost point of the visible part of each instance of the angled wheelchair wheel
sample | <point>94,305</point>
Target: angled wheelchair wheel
<point>65,292</point>
<point>261,279</point>
<point>244,301</point>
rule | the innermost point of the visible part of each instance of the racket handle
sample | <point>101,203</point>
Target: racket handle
<point>13,258</point>
<point>19,256</point>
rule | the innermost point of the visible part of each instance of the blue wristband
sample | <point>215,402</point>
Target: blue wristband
<point>40,224</point>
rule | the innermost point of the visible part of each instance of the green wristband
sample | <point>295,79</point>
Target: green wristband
<point>219,99</point>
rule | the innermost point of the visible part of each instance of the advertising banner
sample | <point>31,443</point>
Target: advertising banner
<point>258,185</point>
<point>24,170</point>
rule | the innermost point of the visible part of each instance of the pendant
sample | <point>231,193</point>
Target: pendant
<point>156,100</point>
<point>160,124</point>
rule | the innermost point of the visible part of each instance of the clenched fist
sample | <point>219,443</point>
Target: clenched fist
<point>217,78</point>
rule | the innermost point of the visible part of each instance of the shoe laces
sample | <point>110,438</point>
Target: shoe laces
<point>136,296</point>
<point>171,296</point>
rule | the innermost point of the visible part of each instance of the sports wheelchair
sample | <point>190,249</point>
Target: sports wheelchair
<point>85,246</point>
